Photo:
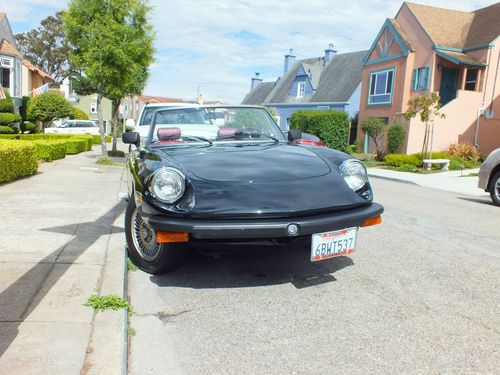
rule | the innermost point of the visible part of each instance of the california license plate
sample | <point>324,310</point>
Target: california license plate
<point>333,244</point>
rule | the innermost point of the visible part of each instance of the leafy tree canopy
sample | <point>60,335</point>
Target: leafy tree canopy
<point>48,107</point>
<point>45,47</point>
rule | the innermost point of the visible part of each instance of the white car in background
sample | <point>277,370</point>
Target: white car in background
<point>75,127</point>
<point>146,115</point>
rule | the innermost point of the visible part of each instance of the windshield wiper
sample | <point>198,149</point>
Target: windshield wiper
<point>255,134</point>
<point>198,138</point>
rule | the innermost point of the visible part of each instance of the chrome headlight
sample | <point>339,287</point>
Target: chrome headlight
<point>167,185</point>
<point>354,173</point>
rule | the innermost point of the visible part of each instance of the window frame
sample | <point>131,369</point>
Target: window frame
<point>375,74</point>
<point>93,108</point>
<point>416,75</point>
<point>473,81</point>
<point>301,89</point>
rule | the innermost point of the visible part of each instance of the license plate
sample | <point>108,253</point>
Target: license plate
<point>333,244</point>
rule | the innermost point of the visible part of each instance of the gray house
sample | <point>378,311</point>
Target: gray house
<point>10,62</point>
<point>332,81</point>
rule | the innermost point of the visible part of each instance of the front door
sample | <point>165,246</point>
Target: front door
<point>448,87</point>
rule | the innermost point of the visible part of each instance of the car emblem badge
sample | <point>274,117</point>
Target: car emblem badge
<point>293,229</point>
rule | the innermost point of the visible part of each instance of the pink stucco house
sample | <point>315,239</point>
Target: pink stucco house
<point>425,49</point>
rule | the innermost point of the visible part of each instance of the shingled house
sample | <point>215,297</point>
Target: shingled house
<point>329,82</point>
<point>10,62</point>
<point>427,49</point>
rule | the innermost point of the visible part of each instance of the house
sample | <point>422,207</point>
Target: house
<point>426,49</point>
<point>32,78</point>
<point>332,81</point>
<point>10,62</point>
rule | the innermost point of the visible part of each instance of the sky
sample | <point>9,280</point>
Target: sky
<point>215,46</point>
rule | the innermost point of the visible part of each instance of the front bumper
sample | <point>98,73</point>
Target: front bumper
<point>265,228</point>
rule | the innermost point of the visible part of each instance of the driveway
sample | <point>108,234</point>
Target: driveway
<point>420,295</point>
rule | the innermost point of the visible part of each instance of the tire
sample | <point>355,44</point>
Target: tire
<point>495,189</point>
<point>144,251</point>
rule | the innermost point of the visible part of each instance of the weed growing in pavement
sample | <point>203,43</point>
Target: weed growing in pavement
<point>109,302</point>
<point>131,266</point>
<point>105,160</point>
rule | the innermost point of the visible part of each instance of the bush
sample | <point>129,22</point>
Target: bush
<point>29,127</point>
<point>332,127</point>
<point>6,105</point>
<point>395,138</point>
<point>375,128</point>
<point>9,136</point>
<point>116,153</point>
<point>463,150</point>
<point>23,110</point>
<point>397,160</point>
<point>9,118</point>
<point>15,129</point>
<point>78,114</point>
<point>96,139</point>
<point>75,146</point>
<point>6,130</point>
<point>17,159</point>
<point>50,150</point>
<point>48,107</point>
<point>435,155</point>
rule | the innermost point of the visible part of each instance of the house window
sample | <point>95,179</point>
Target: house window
<point>301,89</point>
<point>471,79</point>
<point>323,107</point>
<point>5,77</point>
<point>93,107</point>
<point>420,78</point>
<point>381,87</point>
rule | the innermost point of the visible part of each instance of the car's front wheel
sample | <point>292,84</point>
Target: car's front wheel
<point>143,250</point>
<point>495,189</point>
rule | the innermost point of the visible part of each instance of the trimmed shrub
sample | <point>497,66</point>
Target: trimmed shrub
<point>17,159</point>
<point>29,127</point>
<point>395,138</point>
<point>6,130</point>
<point>6,105</point>
<point>96,139</point>
<point>75,146</point>
<point>9,118</point>
<point>435,155</point>
<point>88,142</point>
<point>397,160</point>
<point>332,127</point>
<point>407,168</point>
<point>15,129</point>
<point>9,136</point>
<point>50,150</point>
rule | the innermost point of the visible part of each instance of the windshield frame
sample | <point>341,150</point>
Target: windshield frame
<point>280,138</point>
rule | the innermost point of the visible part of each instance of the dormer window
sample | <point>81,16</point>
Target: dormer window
<point>301,89</point>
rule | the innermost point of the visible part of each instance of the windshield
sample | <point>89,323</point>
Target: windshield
<point>147,115</point>
<point>183,126</point>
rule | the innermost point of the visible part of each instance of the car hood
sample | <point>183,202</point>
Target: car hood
<point>257,181</point>
<point>254,163</point>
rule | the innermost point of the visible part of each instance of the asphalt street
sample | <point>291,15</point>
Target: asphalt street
<point>420,295</point>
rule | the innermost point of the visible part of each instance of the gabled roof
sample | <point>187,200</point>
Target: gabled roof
<point>33,68</point>
<point>459,58</point>
<point>259,93</point>
<point>6,31</point>
<point>458,29</point>
<point>334,81</point>
<point>402,34</point>
<point>8,49</point>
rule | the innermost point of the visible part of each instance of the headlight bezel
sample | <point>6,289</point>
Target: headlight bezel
<point>345,173</point>
<point>158,174</point>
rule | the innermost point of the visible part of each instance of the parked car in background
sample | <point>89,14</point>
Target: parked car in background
<point>75,127</point>
<point>489,176</point>
<point>220,177</point>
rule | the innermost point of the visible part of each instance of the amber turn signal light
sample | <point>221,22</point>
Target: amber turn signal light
<point>372,221</point>
<point>162,237</point>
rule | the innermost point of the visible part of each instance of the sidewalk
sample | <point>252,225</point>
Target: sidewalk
<point>61,242</point>
<point>453,181</point>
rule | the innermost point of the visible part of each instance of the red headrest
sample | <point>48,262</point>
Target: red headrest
<point>227,132</point>
<point>166,134</point>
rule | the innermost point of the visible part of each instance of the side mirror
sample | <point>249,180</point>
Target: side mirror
<point>130,123</point>
<point>294,134</point>
<point>132,138</point>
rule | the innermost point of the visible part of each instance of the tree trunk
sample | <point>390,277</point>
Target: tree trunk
<point>104,151</point>
<point>115,122</point>
<point>424,143</point>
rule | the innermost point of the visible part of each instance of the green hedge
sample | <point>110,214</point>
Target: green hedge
<point>332,127</point>
<point>6,130</point>
<point>75,146</point>
<point>9,136</point>
<point>17,159</point>
<point>50,150</point>
<point>397,160</point>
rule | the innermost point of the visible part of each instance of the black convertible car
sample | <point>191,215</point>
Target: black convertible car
<point>222,176</point>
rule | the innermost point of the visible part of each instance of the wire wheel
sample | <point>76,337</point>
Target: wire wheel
<point>144,238</point>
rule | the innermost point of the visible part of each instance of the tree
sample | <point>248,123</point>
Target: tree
<point>428,107</point>
<point>78,114</point>
<point>111,42</point>
<point>375,128</point>
<point>395,138</point>
<point>48,107</point>
<point>45,47</point>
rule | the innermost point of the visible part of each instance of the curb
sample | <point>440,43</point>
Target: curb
<point>393,179</point>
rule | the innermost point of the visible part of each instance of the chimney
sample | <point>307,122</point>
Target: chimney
<point>289,60</point>
<point>329,52</point>
<point>255,81</point>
